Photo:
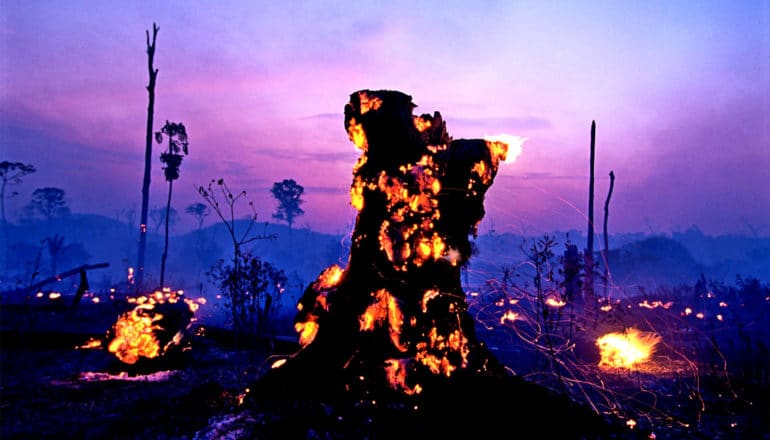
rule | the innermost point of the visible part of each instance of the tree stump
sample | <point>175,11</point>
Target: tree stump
<point>387,343</point>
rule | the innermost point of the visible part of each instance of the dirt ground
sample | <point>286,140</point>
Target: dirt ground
<point>51,390</point>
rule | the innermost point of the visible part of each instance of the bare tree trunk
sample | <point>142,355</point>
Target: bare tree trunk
<point>153,72</point>
<point>588,288</point>
<point>605,256</point>
<point>165,244</point>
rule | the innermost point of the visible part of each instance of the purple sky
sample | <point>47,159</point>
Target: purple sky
<point>680,92</point>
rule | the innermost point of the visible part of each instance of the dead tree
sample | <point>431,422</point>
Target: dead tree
<point>391,331</point>
<point>588,284</point>
<point>606,254</point>
<point>153,73</point>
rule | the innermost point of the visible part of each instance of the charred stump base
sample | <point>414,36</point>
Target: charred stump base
<point>388,345</point>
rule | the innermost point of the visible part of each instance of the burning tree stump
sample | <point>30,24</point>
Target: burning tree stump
<point>392,329</point>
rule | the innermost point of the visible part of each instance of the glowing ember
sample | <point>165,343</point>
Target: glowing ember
<point>159,376</point>
<point>555,302</point>
<point>134,335</point>
<point>329,278</point>
<point>395,369</point>
<point>509,316</point>
<point>385,306</point>
<point>278,363</point>
<point>624,350</point>
<point>54,295</point>
<point>655,304</point>
<point>307,331</point>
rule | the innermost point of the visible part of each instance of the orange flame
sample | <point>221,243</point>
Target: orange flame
<point>329,278</point>
<point>655,304</point>
<point>357,135</point>
<point>421,124</point>
<point>307,332</point>
<point>134,330</point>
<point>626,349</point>
<point>134,336</point>
<point>504,147</point>
<point>369,102</point>
<point>385,306</point>
<point>555,302</point>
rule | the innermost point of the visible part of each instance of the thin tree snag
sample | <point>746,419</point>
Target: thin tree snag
<point>605,256</point>
<point>153,74</point>
<point>588,287</point>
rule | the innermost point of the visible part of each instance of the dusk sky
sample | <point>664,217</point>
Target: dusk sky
<point>680,92</point>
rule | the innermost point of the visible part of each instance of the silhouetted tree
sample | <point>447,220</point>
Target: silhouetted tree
<point>11,173</point>
<point>48,203</point>
<point>199,211</point>
<point>605,256</point>
<point>223,202</point>
<point>588,285</point>
<point>153,72</point>
<point>288,194</point>
<point>176,133</point>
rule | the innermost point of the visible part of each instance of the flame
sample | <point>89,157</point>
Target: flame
<point>385,306</point>
<point>54,295</point>
<point>357,135</point>
<point>134,337</point>
<point>505,147</point>
<point>554,302</point>
<point>357,194</point>
<point>91,343</point>
<point>427,296</point>
<point>510,316</point>
<point>329,278</point>
<point>655,304</point>
<point>421,124</point>
<point>624,350</point>
<point>433,353</point>
<point>134,330</point>
<point>369,102</point>
<point>307,332</point>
